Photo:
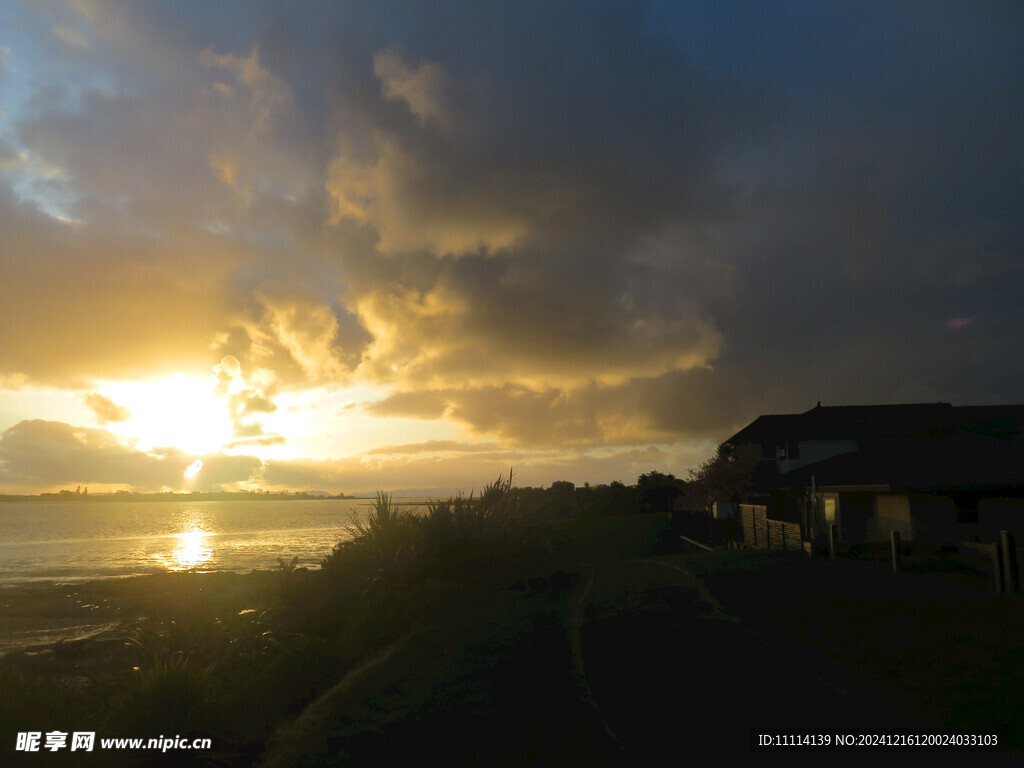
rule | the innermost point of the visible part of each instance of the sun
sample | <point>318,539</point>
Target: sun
<point>179,412</point>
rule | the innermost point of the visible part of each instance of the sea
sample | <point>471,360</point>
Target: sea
<point>68,541</point>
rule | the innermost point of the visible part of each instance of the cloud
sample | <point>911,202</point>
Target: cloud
<point>106,410</point>
<point>538,319</point>
<point>48,453</point>
<point>575,225</point>
<point>220,471</point>
<point>246,400</point>
<point>446,476</point>
<point>692,405</point>
<point>268,95</point>
<point>258,439</point>
<point>71,36</point>
<point>417,405</point>
<point>13,381</point>
<point>434,446</point>
<point>40,455</point>
<point>420,88</point>
<point>44,455</point>
<point>80,303</point>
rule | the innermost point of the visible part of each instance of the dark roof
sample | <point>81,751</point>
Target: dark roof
<point>958,463</point>
<point>853,422</point>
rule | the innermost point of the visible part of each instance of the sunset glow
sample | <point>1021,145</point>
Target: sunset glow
<point>177,413</point>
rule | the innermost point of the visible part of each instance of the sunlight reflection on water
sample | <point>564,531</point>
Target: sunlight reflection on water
<point>191,552</point>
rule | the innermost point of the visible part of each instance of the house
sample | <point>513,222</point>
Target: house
<point>930,471</point>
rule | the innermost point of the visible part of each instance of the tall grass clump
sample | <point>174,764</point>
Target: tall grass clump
<point>482,539</point>
<point>380,552</point>
<point>485,538</point>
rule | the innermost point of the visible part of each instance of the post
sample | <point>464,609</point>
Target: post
<point>1000,583</point>
<point>897,555</point>
<point>1012,578</point>
<point>832,535</point>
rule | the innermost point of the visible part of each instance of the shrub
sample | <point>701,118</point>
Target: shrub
<point>380,552</point>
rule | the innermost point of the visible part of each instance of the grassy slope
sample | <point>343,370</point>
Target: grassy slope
<point>486,678</point>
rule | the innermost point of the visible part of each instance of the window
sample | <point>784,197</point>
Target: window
<point>829,509</point>
<point>790,449</point>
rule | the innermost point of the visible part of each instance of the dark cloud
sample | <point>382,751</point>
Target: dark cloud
<point>694,405</point>
<point>434,446</point>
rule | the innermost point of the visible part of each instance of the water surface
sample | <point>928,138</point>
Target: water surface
<point>68,540</point>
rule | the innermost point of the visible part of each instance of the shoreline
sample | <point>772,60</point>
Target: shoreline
<point>41,614</point>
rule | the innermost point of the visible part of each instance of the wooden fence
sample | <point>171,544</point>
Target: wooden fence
<point>761,533</point>
<point>693,547</point>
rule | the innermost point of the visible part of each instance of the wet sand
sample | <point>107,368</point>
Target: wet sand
<point>36,615</point>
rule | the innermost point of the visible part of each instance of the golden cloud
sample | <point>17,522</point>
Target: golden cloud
<point>40,455</point>
<point>268,94</point>
<point>393,194</point>
<point>420,88</point>
<point>307,329</point>
<point>106,410</point>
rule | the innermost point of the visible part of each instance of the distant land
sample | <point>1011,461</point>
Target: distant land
<point>174,496</point>
<point>400,493</point>
<point>443,492</point>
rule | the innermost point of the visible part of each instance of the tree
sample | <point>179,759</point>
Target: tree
<point>562,497</point>
<point>657,492</point>
<point>725,477</point>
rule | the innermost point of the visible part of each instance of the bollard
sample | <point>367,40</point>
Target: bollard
<point>832,536</point>
<point>1011,580</point>
<point>1000,583</point>
<point>897,555</point>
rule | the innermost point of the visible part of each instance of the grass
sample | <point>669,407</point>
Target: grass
<point>941,645</point>
<point>234,657</point>
<point>488,685</point>
<point>488,538</point>
<point>443,635</point>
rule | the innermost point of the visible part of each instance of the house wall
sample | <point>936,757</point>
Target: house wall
<point>999,514</point>
<point>857,511</point>
<point>933,517</point>
<point>812,451</point>
<point>721,510</point>
<point>892,513</point>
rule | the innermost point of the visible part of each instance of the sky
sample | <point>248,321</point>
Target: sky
<point>355,245</point>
